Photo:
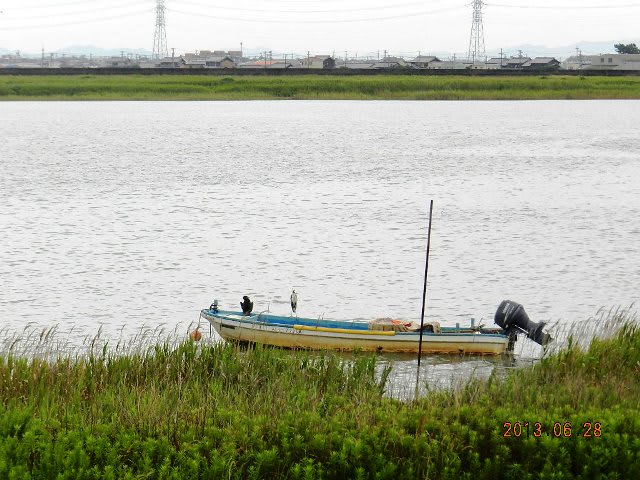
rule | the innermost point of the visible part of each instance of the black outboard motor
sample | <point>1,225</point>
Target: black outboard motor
<point>512,318</point>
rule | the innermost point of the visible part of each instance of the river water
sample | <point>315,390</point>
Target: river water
<point>130,215</point>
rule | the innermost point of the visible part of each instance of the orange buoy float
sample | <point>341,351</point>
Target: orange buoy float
<point>195,336</point>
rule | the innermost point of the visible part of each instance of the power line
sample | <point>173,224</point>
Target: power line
<point>119,6</point>
<point>135,13</point>
<point>271,10</point>
<point>78,22</point>
<point>61,5</point>
<point>564,7</point>
<point>330,21</point>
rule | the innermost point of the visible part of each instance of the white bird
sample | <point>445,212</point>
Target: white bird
<point>294,301</point>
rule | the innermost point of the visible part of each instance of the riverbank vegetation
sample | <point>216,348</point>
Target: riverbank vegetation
<point>217,411</point>
<point>315,87</point>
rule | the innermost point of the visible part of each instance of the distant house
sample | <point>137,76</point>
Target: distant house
<point>257,64</point>
<point>356,64</point>
<point>517,62</point>
<point>448,65</point>
<point>284,64</point>
<point>476,64</point>
<point>318,61</point>
<point>193,63</point>
<point>496,63</point>
<point>220,61</point>
<point>390,62</point>
<point>577,62</point>
<point>171,62</point>
<point>541,63</point>
<point>212,59</point>
<point>423,61</point>
<point>23,63</point>
<point>271,64</point>
<point>120,62</point>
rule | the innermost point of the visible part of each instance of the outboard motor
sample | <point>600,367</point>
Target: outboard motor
<point>512,318</point>
<point>214,306</point>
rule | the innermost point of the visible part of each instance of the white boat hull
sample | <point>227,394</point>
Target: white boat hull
<point>238,328</point>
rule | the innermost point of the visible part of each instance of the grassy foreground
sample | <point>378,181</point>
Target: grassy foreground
<point>324,87</point>
<point>203,411</point>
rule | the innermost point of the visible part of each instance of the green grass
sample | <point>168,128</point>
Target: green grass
<point>320,87</point>
<point>215,411</point>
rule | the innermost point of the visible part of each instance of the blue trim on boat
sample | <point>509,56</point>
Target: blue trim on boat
<point>280,320</point>
<point>289,322</point>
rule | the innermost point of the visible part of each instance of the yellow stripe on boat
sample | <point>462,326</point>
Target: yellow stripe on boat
<point>344,330</point>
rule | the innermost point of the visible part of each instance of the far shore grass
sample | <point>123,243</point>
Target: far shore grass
<point>316,87</point>
<point>217,411</point>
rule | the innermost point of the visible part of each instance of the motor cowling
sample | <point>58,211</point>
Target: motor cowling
<point>513,319</point>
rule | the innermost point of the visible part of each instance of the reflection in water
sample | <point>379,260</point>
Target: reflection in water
<point>438,372</point>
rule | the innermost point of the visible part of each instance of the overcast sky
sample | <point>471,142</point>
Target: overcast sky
<point>320,26</point>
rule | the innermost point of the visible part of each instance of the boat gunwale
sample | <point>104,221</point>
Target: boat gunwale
<point>253,320</point>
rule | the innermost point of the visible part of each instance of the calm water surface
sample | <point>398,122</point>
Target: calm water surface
<point>125,214</point>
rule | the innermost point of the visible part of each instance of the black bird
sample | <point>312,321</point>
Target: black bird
<point>294,301</point>
<point>247,305</point>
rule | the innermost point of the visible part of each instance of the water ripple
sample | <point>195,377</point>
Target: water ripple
<point>142,213</point>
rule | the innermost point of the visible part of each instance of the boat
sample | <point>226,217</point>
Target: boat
<point>378,335</point>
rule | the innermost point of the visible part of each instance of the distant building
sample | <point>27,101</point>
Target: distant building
<point>390,62</point>
<point>356,64</point>
<point>220,61</point>
<point>517,62</point>
<point>115,62</point>
<point>271,63</point>
<point>193,63</point>
<point>541,63</point>
<point>476,64</point>
<point>577,62</point>
<point>496,63</point>
<point>170,62</point>
<point>284,63</point>
<point>423,61</point>
<point>8,62</point>
<point>318,61</point>
<point>213,59</point>
<point>261,63</point>
<point>615,61</point>
<point>448,65</point>
<point>606,61</point>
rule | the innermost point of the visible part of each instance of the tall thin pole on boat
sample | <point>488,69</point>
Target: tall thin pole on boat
<point>424,291</point>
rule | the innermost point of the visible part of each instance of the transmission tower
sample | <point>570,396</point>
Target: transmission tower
<point>476,41</point>
<point>160,37</point>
